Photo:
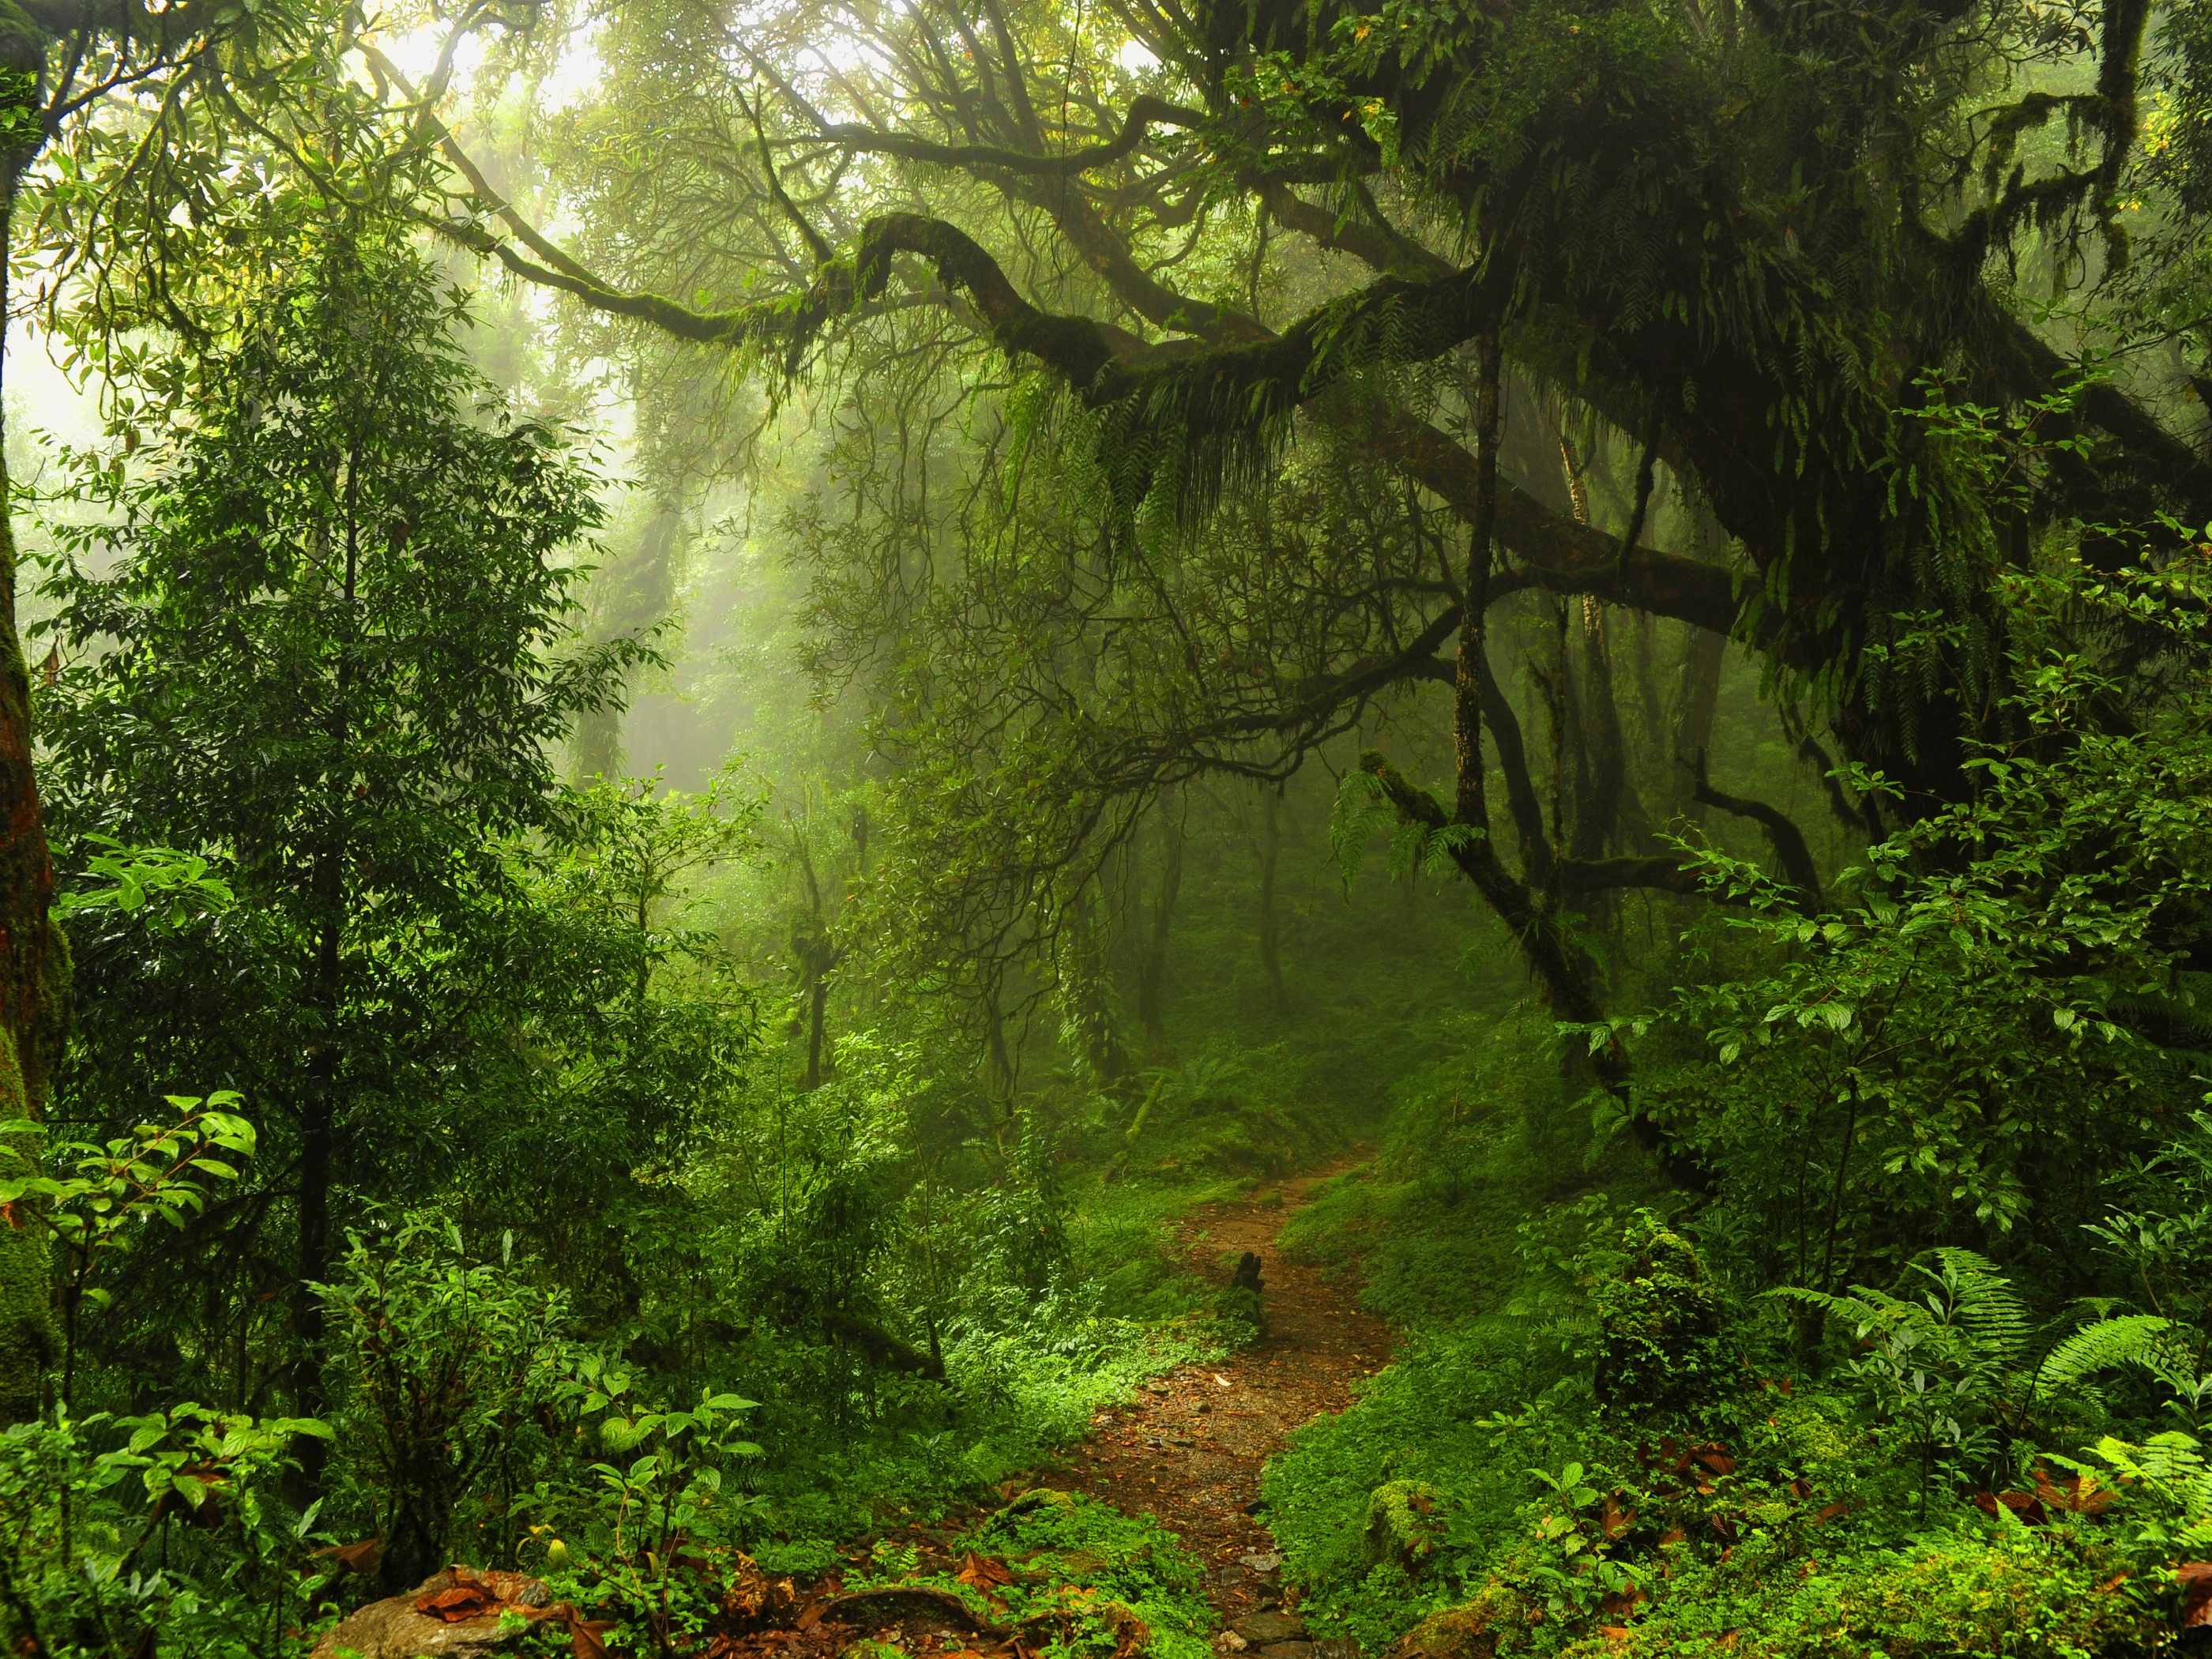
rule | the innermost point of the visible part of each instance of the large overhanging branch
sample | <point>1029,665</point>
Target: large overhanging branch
<point>1144,113</point>
<point>1268,369</point>
<point>1555,552</point>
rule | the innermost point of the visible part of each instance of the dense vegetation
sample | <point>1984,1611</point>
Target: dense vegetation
<point>701,706</point>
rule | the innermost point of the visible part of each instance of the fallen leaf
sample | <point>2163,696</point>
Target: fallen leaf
<point>1828,1512</point>
<point>1614,1520</point>
<point>462,1601</point>
<point>984,1573</point>
<point>2195,1578</point>
<point>2073,1495</point>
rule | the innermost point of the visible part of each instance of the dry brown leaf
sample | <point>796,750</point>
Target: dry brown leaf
<point>462,1601</point>
<point>1614,1520</point>
<point>2073,1495</point>
<point>2196,1580</point>
<point>984,1573</point>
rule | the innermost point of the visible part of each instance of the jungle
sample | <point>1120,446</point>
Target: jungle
<point>1106,828</point>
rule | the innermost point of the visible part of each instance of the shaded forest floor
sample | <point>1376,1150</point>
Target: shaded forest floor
<point>1189,1452</point>
<point>1191,1449</point>
<point>1184,1458</point>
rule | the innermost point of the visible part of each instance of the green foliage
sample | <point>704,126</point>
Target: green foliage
<point>312,632</point>
<point>1937,1364</point>
<point>131,877</point>
<point>661,1488</point>
<point>168,1526</point>
<point>112,1528</point>
<point>98,1195</point>
<point>447,1364</point>
<point>1657,1356</point>
<point>1924,1065</point>
<point>1100,1567</point>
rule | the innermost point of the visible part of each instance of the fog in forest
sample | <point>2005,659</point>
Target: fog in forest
<point>993,831</point>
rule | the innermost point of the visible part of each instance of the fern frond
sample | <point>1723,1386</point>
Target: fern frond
<point>2130,1340</point>
<point>1985,1305</point>
<point>1362,807</point>
<point>1852,1308</point>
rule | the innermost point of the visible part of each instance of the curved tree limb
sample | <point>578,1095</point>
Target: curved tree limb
<point>1783,835</point>
<point>1145,114</point>
<point>1565,976</point>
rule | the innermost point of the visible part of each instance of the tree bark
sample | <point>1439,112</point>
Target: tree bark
<point>1702,654</point>
<point>1152,972</point>
<point>318,1117</point>
<point>34,964</point>
<point>1271,923</point>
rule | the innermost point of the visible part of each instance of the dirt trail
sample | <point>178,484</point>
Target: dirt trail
<point>1191,1449</point>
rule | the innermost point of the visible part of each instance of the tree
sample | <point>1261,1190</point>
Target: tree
<point>329,649</point>
<point>1749,246</point>
<point>194,78</point>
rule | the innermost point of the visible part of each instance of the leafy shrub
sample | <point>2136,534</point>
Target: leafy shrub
<point>449,1363</point>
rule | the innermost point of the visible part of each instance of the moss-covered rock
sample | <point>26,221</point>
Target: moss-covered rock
<point>1473,1630</point>
<point>1659,1353</point>
<point>1403,1527</point>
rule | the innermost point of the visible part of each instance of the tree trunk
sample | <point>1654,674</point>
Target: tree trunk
<point>817,1014</point>
<point>636,594</point>
<point>1693,721</point>
<point>1152,973</point>
<point>1271,924</point>
<point>318,1116</point>
<point>1086,1007</point>
<point>35,977</point>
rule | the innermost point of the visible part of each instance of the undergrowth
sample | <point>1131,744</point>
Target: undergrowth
<point>1589,1442</point>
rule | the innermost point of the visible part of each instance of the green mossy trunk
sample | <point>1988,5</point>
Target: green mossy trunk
<point>34,956</point>
<point>34,1002</point>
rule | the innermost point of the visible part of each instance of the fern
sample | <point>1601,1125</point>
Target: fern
<point>1361,808</point>
<point>1982,1302</point>
<point>2104,1346</point>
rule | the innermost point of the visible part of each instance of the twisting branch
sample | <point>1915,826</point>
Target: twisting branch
<point>1145,114</point>
<point>1565,974</point>
<point>816,243</point>
<point>1784,836</point>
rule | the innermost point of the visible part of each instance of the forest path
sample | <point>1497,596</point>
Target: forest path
<point>1191,1449</point>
